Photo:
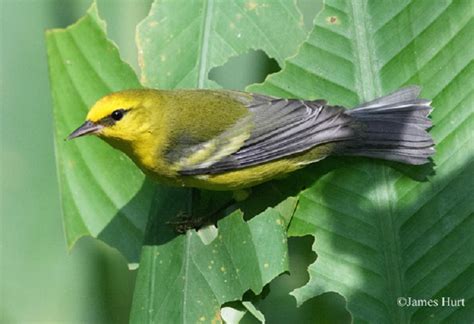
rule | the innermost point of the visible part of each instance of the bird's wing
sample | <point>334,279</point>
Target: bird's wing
<point>279,128</point>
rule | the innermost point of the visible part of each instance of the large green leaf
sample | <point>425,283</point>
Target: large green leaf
<point>379,234</point>
<point>103,194</point>
<point>181,40</point>
<point>185,279</point>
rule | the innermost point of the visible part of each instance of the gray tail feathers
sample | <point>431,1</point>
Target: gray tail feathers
<point>393,127</point>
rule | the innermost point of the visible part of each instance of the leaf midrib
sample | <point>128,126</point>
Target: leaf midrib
<point>368,88</point>
<point>370,82</point>
<point>186,256</point>
<point>204,42</point>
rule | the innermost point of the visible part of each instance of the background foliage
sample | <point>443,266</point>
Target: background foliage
<point>379,234</point>
<point>40,280</point>
<point>408,234</point>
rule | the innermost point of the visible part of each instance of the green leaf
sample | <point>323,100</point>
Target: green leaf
<point>254,311</point>
<point>381,235</point>
<point>185,280</point>
<point>103,194</point>
<point>180,40</point>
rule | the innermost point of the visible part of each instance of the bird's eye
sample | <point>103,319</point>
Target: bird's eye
<point>117,114</point>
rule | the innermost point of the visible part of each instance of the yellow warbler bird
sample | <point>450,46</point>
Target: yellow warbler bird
<point>226,140</point>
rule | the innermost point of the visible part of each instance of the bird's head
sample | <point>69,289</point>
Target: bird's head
<point>120,116</point>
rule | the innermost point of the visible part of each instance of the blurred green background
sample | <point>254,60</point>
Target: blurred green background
<point>40,280</point>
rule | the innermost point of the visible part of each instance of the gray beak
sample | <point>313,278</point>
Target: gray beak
<point>87,128</point>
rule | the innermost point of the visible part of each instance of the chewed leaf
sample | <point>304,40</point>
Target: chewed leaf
<point>179,43</point>
<point>379,234</point>
<point>180,40</point>
<point>105,195</point>
<point>191,279</point>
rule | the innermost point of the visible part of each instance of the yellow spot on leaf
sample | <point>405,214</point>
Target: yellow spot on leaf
<point>152,24</point>
<point>251,5</point>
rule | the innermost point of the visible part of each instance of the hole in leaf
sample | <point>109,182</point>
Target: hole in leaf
<point>243,70</point>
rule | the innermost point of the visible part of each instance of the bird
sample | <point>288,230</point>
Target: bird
<point>231,140</point>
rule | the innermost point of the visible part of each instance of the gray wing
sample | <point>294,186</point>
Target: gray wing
<point>282,127</point>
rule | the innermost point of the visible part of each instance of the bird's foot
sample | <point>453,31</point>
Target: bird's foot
<point>183,223</point>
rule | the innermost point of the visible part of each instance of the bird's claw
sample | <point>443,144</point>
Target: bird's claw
<point>182,224</point>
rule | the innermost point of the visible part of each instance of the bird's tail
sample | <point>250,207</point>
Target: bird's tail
<point>393,127</point>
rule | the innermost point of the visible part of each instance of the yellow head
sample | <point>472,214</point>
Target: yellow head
<point>121,116</point>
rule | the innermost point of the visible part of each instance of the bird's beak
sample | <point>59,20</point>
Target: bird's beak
<point>87,128</point>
